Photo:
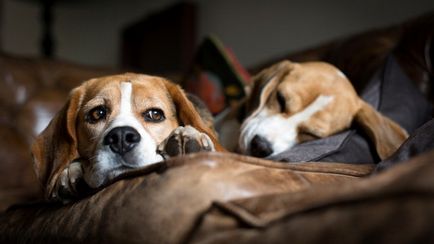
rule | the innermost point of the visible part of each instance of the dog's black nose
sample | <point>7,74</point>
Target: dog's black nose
<point>122,139</point>
<point>260,147</point>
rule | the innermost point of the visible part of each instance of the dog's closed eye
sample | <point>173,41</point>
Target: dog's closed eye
<point>154,115</point>
<point>281,101</point>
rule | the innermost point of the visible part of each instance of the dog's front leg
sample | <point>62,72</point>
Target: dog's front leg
<point>185,140</point>
<point>70,185</point>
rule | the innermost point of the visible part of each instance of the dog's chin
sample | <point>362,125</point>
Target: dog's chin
<point>108,166</point>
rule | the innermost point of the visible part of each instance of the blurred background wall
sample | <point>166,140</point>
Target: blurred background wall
<point>88,32</point>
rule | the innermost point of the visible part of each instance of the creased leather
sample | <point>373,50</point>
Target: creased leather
<point>161,205</point>
<point>394,207</point>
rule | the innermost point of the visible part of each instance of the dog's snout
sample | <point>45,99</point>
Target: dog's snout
<point>260,147</point>
<point>122,139</point>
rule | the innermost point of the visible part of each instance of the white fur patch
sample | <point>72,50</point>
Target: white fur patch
<point>107,163</point>
<point>281,132</point>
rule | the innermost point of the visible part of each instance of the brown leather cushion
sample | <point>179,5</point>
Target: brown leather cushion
<point>393,207</point>
<point>161,203</point>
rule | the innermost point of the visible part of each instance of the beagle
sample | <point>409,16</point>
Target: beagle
<point>292,103</point>
<point>114,124</point>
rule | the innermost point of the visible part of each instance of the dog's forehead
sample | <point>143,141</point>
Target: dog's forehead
<point>315,77</point>
<point>317,69</point>
<point>110,86</point>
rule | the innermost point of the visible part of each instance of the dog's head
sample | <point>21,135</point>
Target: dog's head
<point>112,124</point>
<point>292,103</point>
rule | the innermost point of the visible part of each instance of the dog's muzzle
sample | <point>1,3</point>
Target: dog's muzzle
<point>122,139</point>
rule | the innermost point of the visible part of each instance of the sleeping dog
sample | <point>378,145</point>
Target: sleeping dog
<point>292,103</point>
<point>114,124</point>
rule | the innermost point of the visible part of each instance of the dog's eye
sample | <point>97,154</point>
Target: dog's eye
<point>96,114</point>
<point>282,101</point>
<point>154,115</point>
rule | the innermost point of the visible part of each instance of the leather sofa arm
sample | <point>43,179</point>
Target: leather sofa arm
<point>161,203</point>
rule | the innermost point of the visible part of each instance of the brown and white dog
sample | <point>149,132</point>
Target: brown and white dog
<point>114,124</point>
<point>292,103</point>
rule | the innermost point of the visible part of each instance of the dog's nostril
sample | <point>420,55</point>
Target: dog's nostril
<point>260,147</point>
<point>132,137</point>
<point>111,139</point>
<point>122,139</point>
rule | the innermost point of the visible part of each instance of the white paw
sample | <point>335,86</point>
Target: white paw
<point>66,187</point>
<point>185,140</point>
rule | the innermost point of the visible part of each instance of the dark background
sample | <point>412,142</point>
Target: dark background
<point>89,32</point>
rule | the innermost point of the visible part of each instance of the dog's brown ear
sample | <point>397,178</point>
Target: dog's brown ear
<point>188,115</point>
<point>385,133</point>
<point>265,82</point>
<point>56,146</point>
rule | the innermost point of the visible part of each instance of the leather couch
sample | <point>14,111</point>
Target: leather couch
<point>214,197</point>
<point>32,91</point>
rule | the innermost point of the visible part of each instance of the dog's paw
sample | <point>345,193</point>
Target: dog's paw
<point>68,183</point>
<point>184,140</point>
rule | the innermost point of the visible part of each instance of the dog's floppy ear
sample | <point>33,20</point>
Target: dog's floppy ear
<point>188,115</point>
<point>385,133</point>
<point>56,146</point>
<point>265,82</point>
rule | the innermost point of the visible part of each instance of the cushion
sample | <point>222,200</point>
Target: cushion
<point>161,203</point>
<point>393,207</point>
